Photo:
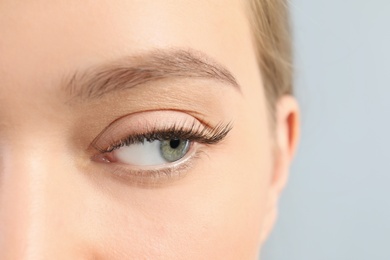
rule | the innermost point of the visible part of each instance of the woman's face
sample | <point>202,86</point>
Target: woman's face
<point>134,130</point>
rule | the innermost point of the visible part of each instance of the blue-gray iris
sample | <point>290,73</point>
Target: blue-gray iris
<point>174,149</point>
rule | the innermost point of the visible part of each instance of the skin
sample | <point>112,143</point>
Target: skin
<point>58,202</point>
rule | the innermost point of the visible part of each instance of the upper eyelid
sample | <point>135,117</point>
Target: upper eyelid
<point>116,124</point>
<point>146,122</point>
<point>201,134</point>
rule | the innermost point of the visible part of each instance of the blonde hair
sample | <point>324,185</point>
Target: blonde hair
<point>272,37</point>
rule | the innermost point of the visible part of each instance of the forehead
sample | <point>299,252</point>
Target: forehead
<point>41,40</point>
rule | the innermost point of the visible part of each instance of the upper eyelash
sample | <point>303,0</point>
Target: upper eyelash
<point>200,134</point>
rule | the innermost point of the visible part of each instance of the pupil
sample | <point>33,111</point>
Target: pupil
<point>174,143</point>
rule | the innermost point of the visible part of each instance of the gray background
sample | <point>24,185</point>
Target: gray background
<point>336,206</point>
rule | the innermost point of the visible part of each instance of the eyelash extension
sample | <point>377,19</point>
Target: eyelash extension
<point>200,134</point>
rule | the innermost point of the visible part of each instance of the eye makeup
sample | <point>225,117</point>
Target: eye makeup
<point>142,145</point>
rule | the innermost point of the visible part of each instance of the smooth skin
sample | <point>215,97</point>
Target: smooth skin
<point>57,202</point>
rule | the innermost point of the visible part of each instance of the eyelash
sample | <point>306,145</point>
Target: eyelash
<point>200,134</point>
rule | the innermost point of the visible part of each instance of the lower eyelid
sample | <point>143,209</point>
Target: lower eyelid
<point>152,176</point>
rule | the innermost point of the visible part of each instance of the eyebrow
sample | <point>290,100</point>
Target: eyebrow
<point>145,67</point>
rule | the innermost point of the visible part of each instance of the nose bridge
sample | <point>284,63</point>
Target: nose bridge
<point>27,176</point>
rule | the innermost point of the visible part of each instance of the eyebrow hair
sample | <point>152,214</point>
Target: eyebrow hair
<point>139,69</point>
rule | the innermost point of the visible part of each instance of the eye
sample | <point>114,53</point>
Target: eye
<point>152,153</point>
<point>155,145</point>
